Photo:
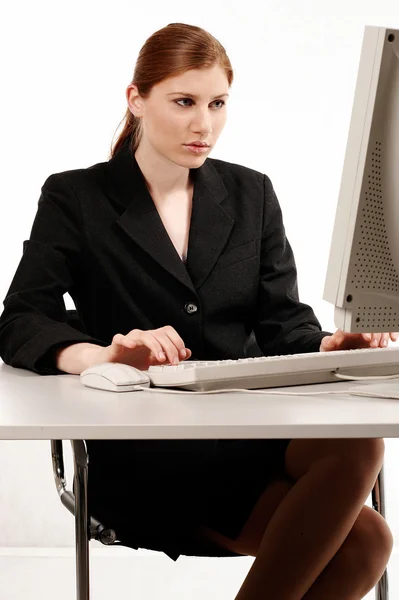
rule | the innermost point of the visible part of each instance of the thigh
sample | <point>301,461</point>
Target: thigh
<point>301,454</point>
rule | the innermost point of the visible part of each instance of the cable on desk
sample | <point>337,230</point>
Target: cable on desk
<point>267,392</point>
<point>364,378</point>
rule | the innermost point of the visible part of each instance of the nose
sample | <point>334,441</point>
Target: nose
<point>202,122</point>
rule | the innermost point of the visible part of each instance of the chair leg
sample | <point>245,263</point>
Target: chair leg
<point>378,501</point>
<point>81,520</point>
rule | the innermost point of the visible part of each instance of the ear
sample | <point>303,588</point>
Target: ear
<point>134,101</point>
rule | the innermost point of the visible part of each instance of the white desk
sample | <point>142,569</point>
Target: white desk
<point>60,407</point>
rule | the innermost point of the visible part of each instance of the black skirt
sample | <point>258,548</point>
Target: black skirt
<point>154,493</point>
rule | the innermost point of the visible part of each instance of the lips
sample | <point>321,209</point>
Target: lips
<point>198,144</point>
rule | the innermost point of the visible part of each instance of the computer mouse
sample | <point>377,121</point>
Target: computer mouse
<point>114,377</point>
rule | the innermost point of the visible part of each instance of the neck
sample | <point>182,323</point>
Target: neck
<point>163,177</point>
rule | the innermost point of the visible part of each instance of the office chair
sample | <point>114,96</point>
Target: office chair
<point>87,527</point>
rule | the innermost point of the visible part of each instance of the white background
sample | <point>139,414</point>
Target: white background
<point>64,71</point>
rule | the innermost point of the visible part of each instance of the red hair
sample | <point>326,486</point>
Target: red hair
<point>169,52</point>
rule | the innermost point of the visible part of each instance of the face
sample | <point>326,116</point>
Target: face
<point>189,107</point>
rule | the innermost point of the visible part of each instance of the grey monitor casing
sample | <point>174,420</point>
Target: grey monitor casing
<point>363,269</point>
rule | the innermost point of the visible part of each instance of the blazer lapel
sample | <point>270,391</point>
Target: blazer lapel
<point>210,225</point>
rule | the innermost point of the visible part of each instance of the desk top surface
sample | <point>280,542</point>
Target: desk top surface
<point>60,407</point>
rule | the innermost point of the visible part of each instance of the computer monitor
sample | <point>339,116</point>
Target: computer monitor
<point>363,269</point>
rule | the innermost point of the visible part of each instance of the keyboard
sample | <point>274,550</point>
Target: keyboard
<point>276,371</point>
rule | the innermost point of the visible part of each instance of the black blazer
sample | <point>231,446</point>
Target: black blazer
<point>98,236</point>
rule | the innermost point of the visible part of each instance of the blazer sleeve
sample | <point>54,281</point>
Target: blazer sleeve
<point>34,320</point>
<point>284,325</point>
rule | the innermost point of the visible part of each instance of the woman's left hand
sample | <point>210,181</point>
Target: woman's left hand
<point>340,340</point>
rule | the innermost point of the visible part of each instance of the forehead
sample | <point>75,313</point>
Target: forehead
<point>196,81</point>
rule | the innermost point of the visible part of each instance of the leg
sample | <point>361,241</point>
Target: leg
<point>334,479</point>
<point>356,567</point>
<point>306,522</point>
<point>359,563</point>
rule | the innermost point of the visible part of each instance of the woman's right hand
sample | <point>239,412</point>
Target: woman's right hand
<point>144,348</point>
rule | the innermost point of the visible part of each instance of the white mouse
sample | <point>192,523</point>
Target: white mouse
<point>114,377</point>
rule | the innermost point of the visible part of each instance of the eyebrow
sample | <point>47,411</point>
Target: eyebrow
<point>193,95</point>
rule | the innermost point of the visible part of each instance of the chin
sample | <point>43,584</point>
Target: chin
<point>192,160</point>
<point>197,161</point>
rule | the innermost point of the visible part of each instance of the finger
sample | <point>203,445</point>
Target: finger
<point>372,338</point>
<point>339,337</point>
<point>159,344</point>
<point>185,353</point>
<point>175,338</point>
<point>394,336</point>
<point>169,347</point>
<point>145,338</point>
<point>123,340</point>
<point>375,340</point>
<point>327,343</point>
<point>384,340</point>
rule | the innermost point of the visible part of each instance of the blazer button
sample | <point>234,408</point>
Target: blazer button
<point>190,308</point>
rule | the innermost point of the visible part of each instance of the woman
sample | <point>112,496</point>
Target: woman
<point>167,255</point>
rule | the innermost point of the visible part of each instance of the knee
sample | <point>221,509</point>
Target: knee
<point>369,545</point>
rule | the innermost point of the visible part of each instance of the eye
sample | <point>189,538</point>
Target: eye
<point>190,100</point>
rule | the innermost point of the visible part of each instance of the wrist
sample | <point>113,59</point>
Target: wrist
<point>89,353</point>
<point>75,358</point>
